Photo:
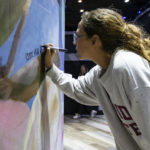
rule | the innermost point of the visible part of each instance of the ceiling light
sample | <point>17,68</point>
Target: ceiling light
<point>124,17</point>
<point>139,12</point>
<point>126,1</point>
<point>80,1</point>
<point>81,10</point>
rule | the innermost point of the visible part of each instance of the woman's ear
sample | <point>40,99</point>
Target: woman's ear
<point>96,40</point>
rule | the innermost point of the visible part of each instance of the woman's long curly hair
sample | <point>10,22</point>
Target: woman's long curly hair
<point>115,33</point>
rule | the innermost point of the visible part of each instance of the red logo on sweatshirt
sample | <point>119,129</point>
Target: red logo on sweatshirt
<point>125,116</point>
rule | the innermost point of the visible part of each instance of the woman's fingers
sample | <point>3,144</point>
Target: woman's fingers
<point>47,46</point>
<point>49,55</point>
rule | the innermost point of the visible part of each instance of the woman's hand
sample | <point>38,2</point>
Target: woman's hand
<point>49,55</point>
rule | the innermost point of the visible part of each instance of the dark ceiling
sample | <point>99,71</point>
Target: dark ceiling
<point>130,10</point>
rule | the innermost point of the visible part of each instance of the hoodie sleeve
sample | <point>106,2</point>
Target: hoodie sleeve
<point>79,89</point>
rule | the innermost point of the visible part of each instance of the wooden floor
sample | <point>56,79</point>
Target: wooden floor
<point>87,133</point>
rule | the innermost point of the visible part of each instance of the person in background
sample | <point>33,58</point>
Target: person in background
<point>120,82</point>
<point>83,110</point>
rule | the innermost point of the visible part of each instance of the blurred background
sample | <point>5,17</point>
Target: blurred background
<point>130,9</point>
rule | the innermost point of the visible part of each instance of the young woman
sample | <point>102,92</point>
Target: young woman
<point>120,82</point>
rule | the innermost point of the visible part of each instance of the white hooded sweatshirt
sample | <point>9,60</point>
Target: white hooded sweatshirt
<point>123,91</point>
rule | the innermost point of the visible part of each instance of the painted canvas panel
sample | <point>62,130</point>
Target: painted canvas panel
<point>31,109</point>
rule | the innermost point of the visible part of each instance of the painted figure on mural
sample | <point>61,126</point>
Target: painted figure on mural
<point>12,113</point>
<point>120,82</point>
<point>22,12</point>
<point>18,86</point>
<point>22,85</point>
<point>5,30</point>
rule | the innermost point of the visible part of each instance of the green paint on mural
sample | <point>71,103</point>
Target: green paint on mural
<point>10,12</point>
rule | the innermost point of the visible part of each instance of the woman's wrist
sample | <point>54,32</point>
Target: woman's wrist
<point>47,68</point>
